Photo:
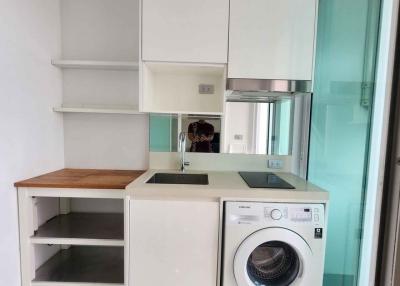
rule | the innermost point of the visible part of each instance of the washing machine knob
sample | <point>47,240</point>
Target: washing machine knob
<point>276,214</point>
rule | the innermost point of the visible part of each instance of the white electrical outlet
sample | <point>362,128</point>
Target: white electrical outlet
<point>275,164</point>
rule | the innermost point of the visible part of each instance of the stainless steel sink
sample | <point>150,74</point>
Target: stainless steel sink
<point>181,179</point>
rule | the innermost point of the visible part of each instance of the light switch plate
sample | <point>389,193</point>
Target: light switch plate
<point>275,164</point>
<point>206,88</point>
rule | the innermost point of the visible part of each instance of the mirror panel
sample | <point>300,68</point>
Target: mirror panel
<point>203,133</point>
<point>259,128</point>
<point>245,128</point>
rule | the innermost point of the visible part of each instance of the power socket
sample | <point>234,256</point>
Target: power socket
<point>275,164</point>
<point>206,89</point>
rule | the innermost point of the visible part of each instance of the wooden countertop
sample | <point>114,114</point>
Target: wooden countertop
<point>83,178</point>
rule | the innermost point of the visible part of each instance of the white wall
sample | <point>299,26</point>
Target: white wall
<point>31,134</point>
<point>106,141</point>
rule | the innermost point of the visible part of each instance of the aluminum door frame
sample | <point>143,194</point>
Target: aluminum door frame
<point>388,262</point>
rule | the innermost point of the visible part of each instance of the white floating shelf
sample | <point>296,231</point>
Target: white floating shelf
<point>129,110</point>
<point>100,65</point>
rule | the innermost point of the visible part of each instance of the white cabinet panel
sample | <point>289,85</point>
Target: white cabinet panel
<point>174,243</point>
<point>185,30</point>
<point>272,39</point>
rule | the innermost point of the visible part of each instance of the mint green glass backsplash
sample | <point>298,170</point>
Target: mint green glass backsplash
<point>160,133</point>
<point>340,125</point>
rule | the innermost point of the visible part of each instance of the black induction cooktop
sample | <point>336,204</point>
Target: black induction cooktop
<point>264,180</point>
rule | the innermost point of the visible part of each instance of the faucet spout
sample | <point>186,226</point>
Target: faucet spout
<point>182,147</point>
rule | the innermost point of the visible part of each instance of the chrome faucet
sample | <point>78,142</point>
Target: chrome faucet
<point>182,147</point>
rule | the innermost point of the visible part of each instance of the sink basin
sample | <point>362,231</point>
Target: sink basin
<point>184,179</point>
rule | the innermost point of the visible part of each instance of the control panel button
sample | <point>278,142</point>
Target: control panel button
<point>285,213</point>
<point>316,218</point>
<point>276,214</point>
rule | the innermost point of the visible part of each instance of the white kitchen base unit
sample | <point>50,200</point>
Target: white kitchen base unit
<point>73,237</point>
<point>174,243</point>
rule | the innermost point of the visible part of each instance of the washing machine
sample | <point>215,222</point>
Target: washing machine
<point>273,244</point>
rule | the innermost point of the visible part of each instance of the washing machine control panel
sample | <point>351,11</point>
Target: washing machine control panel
<point>256,213</point>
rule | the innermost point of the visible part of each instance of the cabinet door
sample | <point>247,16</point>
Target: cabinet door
<point>173,243</point>
<point>185,30</point>
<point>272,39</point>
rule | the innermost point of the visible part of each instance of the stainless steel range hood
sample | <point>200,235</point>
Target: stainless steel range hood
<point>264,90</point>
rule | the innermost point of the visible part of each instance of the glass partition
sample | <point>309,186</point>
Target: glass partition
<point>340,125</point>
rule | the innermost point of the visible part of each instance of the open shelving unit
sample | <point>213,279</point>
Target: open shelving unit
<point>129,66</point>
<point>66,242</point>
<point>100,65</point>
<point>99,58</point>
<point>97,64</point>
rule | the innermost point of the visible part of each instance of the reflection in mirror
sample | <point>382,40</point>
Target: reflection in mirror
<point>275,128</point>
<point>259,128</point>
<point>203,133</point>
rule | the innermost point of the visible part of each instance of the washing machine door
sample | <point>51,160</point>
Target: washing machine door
<point>272,257</point>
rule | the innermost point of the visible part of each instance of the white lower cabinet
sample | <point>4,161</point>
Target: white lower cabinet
<point>173,243</point>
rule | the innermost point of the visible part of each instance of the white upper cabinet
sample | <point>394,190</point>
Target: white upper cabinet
<point>272,39</point>
<point>185,30</point>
